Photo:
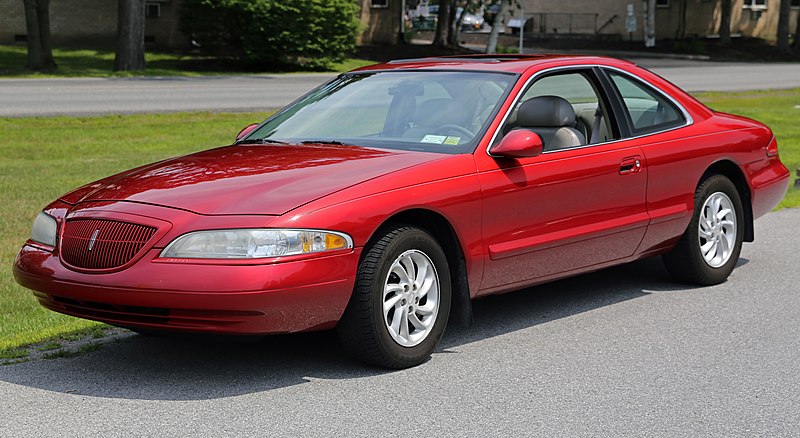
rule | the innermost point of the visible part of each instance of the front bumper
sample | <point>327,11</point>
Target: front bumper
<point>227,299</point>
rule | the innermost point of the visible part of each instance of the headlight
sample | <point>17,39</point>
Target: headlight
<point>254,243</point>
<point>44,229</point>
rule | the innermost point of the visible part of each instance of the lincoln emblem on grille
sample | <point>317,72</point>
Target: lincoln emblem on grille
<point>93,239</point>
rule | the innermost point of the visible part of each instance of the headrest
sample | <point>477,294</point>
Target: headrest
<point>435,112</point>
<point>546,111</point>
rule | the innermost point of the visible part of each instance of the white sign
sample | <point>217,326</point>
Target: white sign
<point>630,23</point>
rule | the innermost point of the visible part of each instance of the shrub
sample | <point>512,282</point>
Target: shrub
<point>307,33</point>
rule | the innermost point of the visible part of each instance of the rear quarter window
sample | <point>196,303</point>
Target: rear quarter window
<point>648,110</point>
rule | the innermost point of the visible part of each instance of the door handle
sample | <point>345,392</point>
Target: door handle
<point>630,165</point>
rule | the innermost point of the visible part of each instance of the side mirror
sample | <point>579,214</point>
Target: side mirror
<point>519,143</point>
<point>247,129</point>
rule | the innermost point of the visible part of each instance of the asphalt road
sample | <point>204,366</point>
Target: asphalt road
<point>93,96</point>
<point>621,352</point>
<point>47,97</point>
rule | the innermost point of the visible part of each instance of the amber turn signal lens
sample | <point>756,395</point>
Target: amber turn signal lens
<point>333,241</point>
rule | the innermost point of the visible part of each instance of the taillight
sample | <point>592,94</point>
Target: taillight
<point>772,148</point>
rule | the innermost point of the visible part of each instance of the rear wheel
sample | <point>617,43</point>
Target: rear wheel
<point>709,248</point>
<point>401,301</point>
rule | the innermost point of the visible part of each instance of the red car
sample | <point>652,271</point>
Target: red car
<point>382,202</point>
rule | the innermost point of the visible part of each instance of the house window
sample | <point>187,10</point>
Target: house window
<point>755,4</point>
<point>152,10</point>
<point>380,3</point>
<point>662,3</point>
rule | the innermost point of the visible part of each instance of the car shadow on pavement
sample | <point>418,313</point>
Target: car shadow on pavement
<point>166,368</point>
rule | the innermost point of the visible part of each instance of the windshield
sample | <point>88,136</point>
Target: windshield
<point>431,111</point>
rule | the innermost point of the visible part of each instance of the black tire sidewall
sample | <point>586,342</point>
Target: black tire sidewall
<point>412,238</point>
<point>714,184</point>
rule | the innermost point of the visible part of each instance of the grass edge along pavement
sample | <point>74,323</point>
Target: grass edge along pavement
<point>65,152</point>
<point>98,64</point>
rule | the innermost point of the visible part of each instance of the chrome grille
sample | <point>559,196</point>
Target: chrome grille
<point>102,243</point>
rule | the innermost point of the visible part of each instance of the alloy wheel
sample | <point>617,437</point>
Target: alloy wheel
<point>411,298</point>
<point>717,229</point>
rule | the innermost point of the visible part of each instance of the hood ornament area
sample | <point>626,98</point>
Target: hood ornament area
<point>93,239</point>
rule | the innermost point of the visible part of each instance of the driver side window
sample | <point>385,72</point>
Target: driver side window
<point>564,109</point>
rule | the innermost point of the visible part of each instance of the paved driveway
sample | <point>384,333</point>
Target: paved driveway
<point>91,96</point>
<point>724,76</point>
<point>622,352</point>
<point>44,97</point>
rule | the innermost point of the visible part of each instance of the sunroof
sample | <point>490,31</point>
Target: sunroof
<point>471,58</point>
<point>441,59</point>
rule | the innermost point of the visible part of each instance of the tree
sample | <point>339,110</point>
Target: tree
<point>783,26</point>
<point>680,30</point>
<point>130,35</point>
<point>726,7</point>
<point>491,47</point>
<point>467,6</point>
<point>37,24</point>
<point>454,26</point>
<point>442,23</point>
<point>273,34</point>
<point>796,43</point>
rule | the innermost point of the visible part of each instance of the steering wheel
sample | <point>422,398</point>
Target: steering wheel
<point>460,129</point>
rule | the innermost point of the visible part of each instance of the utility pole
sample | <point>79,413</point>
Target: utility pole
<point>650,23</point>
<point>521,26</point>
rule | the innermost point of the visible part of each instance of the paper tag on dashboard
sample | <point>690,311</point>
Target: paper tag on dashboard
<point>435,139</point>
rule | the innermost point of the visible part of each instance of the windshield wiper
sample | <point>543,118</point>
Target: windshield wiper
<point>333,142</point>
<point>260,141</point>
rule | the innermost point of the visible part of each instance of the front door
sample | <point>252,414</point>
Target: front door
<point>579,204</point>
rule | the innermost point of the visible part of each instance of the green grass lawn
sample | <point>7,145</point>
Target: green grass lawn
<point>779,110</point>
<point>98,63</point>
<point>45,157</point>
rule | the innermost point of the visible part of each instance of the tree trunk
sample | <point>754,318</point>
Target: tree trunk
<point>491,47</point>
<point>442,23</point>
<point>451,24</point>
<point>726,7</point>
<point>796,44</point>
<point>130,35</point>
<point>37,25</point>
<point>680,31</point>
<point>783,26</point>
<point>456,19</point>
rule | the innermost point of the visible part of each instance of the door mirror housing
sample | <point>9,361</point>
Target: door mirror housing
<point>519,143</point>
<point>247,129</point>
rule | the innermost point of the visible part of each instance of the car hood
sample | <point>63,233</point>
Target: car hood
<point>249,179</point>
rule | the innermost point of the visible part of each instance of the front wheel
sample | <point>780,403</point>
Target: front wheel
<point>401,301</point>
<point>709,248</point>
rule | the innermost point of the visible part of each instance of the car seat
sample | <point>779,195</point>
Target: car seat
<point>553,118</point>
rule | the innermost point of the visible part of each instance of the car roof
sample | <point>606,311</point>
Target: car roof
<point>499,63</point>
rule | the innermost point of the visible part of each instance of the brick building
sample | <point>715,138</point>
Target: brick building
<point>93,23</point>
<point>690,18</point>
<point>381,21</point>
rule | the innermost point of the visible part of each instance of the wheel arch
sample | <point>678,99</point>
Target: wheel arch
<point>441,230</point>
<point>734,173</point>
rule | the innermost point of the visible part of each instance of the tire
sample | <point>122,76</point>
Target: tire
<point>696,259</point>
<point>376,336</point>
